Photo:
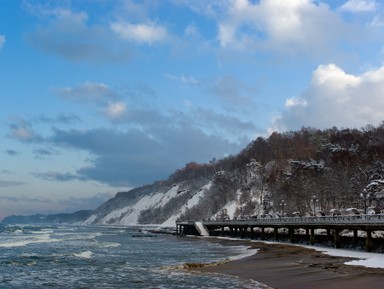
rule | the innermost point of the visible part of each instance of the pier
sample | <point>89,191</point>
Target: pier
<point>325,229</point>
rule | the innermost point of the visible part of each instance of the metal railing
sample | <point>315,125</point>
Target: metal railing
<point>323,220</point>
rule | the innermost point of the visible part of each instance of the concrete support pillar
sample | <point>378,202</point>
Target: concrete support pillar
<point>291,235</point>
<point>328,234</point>
<point>276,233</point>
<point>251,232</point>
<point>262,233</point>
<point>312,239</point>
<point>355,236</point>
<point>369,241</point>
<point>242,232</point>
<point>337,240</point>
<point>222,231</point>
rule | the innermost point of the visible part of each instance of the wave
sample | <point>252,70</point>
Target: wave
<point>20,240</point>
<point>84,255</point>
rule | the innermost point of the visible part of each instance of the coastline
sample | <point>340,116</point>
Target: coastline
<point>286,266</point>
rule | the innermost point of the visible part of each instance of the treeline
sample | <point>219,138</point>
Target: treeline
<point>308,169</point>
<point>328,169</point>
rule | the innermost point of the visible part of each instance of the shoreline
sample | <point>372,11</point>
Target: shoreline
<point>287,266</point>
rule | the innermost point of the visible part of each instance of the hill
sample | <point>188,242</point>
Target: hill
<point>296,172</point>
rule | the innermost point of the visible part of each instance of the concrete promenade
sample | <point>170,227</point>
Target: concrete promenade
<point>296,229</point>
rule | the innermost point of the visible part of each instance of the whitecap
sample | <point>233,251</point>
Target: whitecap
<point>14,244</point>
<point>84,255</point>
<point>32,239</point>
<point>110,245</point>
<point>244,252</point>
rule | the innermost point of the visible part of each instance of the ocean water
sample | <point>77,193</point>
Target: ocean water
<point>107,257</point>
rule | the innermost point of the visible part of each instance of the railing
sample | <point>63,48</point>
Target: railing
<point>341,219</point>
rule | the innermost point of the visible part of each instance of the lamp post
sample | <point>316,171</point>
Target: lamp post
<point>282,205</point>
<point>265,203</point>
<point>314,201</point>
<point>365,195</point>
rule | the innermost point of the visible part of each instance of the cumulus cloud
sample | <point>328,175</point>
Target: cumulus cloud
<point>359,6</point>
<point>287,26</point>
<point>2,41</point>
<point>141,32</point>
<point>336,98</point>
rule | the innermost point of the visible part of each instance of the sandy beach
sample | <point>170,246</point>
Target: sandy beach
<point>295,267</point>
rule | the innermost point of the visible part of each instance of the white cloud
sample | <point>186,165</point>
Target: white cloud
<point>116,110</point>
<point>2,41</point>
<point>359,6</point>
<point>287,26</point>
<point>336,98</point>
<point>147,33</point>
<point>295,101</point>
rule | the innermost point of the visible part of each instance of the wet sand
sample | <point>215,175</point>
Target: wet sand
<point>295,267</point>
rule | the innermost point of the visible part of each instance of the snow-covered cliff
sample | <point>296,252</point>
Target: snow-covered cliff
<point>223,194</point>
<point>132,211</point>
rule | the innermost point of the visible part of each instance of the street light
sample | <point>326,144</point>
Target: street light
<point>265,203</point>
<point>314,201</point>
<point>282,205</point>
<point>365,195</point>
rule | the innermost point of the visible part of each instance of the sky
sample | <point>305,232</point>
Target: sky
<point>101,96</point>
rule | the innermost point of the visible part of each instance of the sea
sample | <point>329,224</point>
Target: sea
<point>109,257</point>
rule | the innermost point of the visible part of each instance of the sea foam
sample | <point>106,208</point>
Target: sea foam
<point>84,255</point>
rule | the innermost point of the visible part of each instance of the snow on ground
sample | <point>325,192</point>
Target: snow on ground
<point>144,203</point>
<point>170,222</point>
<point>171,193</point>
<point>372,260</point>
<point>90,220</point>
<point>231,209</point>
<point>129,215</point>
<point>196,198</point>
<point>366,259</point>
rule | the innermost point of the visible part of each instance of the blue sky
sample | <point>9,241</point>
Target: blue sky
<point>101,96</point>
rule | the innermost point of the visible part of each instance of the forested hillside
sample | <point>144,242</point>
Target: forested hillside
<point>297,172</point>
